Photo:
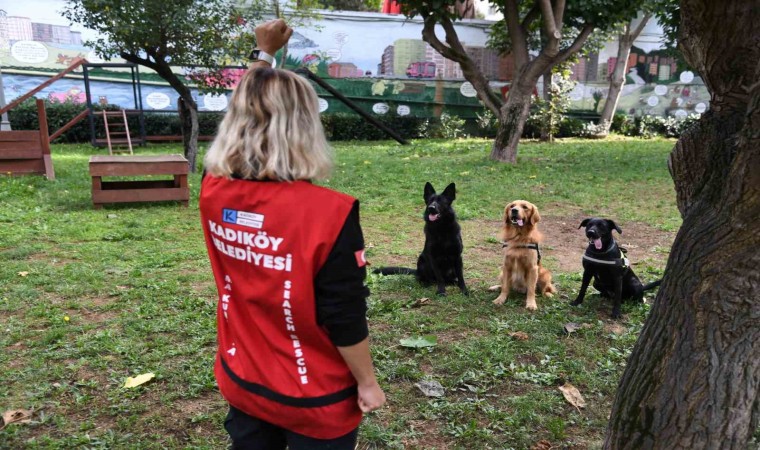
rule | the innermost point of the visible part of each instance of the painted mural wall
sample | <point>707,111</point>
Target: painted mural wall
<point>377,60</point>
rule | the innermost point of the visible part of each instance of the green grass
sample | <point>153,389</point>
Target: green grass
<point>136,287</point>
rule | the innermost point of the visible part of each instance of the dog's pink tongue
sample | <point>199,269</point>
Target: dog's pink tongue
<point>433,217</point>
<point>520,222</point>
<point>598,243</point>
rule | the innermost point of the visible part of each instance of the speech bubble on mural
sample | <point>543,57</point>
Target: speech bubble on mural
<point>653,101</point>
<point>700,108</point>
<point>686,77</point>
<point>30,52</point>
<point>681,114</point>
<point>403,110</point>
<point>158,100</point>
<point>215,102</point>
<point>323,105</point>
<point>660,89</point>
<point>380,108</point>
<point>467,89</point>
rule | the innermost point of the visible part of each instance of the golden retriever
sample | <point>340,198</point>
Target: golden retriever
<point>522,269</point>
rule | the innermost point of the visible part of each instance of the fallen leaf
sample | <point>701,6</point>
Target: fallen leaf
<point>543,444</point>
<point>519,335</point>
<point>419,342</point>
<point>572,395</point>
<point>23,274</point>
<point>420,302</point>
<point>112,216</point>
<point>572,327</point>
<point>138,380</point>
<point>430,388</point>
<point>16,416</point>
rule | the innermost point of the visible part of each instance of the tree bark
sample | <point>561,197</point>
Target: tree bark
<point>547,91</point>
<point>693,378</point>
<point>617,79</point>
<point>512,117</point>
<point>188,115</point>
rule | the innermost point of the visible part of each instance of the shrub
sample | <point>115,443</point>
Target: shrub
<point>570,127</point>
<point>623,124</point>
<point>487,123</point>
<point>650,126</point>
<point>452,127</point>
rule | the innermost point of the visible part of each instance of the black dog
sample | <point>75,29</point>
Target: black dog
<point>441,260</point>
<point>606,262</point>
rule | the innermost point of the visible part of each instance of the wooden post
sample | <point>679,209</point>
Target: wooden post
<point>45,140</point>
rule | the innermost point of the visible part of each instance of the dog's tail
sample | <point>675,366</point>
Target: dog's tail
<point>395,271</point>
<point>652,285</point>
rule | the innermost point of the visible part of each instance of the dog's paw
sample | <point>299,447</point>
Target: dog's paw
<point>494,288</point>
<point>441,293</point>
<point>466,292</point>
<point>500,300</point>
<point>576,302</point>
<point>531,306</point>
<point>615,315</point>
<point>548,295</point>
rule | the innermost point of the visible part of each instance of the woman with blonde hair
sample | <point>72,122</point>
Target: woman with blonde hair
<point>293,356</point>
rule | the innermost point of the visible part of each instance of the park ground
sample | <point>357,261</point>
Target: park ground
<point>91,297</point>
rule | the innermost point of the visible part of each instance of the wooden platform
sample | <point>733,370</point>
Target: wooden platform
<point>139,190</point>
<point>27,152</point>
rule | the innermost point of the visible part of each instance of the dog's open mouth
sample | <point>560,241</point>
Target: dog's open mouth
<point>433,217</point>
<point>597,243</point>
<point>518,222</point>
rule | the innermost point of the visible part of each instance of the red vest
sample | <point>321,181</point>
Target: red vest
<point>266,242</point>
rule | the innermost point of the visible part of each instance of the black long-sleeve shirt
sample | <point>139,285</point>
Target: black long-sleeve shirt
<point>339,287</point>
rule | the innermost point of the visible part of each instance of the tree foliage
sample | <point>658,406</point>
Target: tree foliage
<point>165,34</point>
<point>558,28</point>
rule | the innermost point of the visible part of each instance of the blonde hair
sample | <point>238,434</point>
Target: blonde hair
<point>271,131</point>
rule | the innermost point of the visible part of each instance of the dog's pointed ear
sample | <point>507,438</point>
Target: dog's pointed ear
<point>429,191</point>
<point>535,217</point>
<point>614,226</point>
<point>450,192</point>
<point>584,222</point>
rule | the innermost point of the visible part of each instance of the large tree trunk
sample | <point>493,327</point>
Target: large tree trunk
<point>512,117</point>
<point>617,79</point>
<point>547,97</point>
<point>188,114</point>
<point>693,378</point>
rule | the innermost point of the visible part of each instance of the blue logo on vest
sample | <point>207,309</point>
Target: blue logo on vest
<point>243,218</point>
<point>229,215</point>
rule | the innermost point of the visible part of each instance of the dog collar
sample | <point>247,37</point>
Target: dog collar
<point>530,246</point>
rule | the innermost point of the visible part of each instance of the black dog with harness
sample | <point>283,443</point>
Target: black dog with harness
<point>606,262</point>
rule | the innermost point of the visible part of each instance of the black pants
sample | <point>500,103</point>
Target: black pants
<point>250,433</point>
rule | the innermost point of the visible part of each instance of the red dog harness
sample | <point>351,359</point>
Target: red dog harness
<point>266,242</point>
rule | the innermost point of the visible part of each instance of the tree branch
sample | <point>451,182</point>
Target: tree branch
<point>576,45</point>
<point>134,59</point>
<point>530,17</point>
<point>455,52</point>
<point>516,34</point>
<point>641,26</point>
<point>559,13</point>
<point>549,24</point>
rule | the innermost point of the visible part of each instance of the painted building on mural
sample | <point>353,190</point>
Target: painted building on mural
<point>372,57</point>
